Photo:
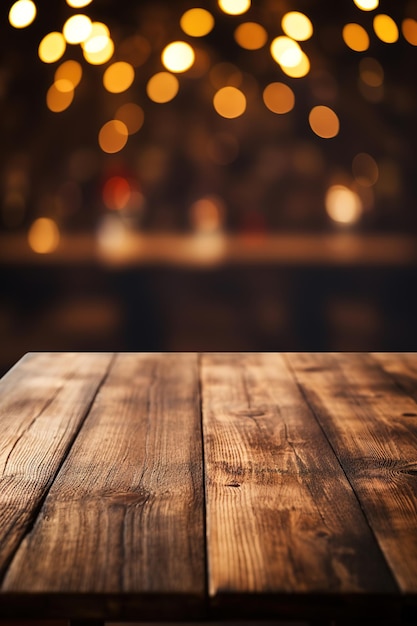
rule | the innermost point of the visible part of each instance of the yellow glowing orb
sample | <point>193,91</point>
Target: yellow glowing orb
<point>324,122</point>
<point>131,115</point>
<point>300,70</point>
<point>279,98</point>
<point>77,29</point>
<point>178,56</point>
<point>343,205</point>
<point>64,85</point>
<point>78,4</point>
<point>366,5</point>
<point>234,7</point>
<point>286,52</point>
<point>52,47</point>
<point>355,37</point>
<point>98,38</point>
<point>251,36</point>
<point>22,13</point>
<point>162,87</point>
<point>113,136</point>
<point>229,102</point>
<point>297,25</point>
<point>100,57</point>
<point>43,236</point>
<point>385,28</point>
<point>118,77</point>
<point>59,97</point>
<point>197,22</point>
<point>70,71</point>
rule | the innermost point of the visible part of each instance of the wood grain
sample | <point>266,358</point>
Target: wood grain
<point>281,515</point>
<point>125,514</point>
<point>402,368</point>
<point>43,401</point>
<point>366,416</point>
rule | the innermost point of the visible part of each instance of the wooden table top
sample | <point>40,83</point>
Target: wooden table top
<point>185,486</point>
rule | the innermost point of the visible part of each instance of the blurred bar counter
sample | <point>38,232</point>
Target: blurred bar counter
<point>193,251</point>
<point>209,292</point>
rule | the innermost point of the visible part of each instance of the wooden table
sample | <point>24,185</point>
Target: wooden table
<point>210,486</point>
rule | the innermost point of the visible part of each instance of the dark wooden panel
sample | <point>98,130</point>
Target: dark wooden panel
<point>43,401</point>
<point>365,415</point>
<point>281,516</point>
<point>125,514</point>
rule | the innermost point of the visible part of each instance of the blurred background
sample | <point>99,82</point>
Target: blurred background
<point>217,175</point>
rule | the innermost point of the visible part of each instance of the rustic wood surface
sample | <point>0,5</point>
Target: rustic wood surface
<point>176,486</point>
<point>125,513</point>
<point>366,417</point>
<point>43,402</point>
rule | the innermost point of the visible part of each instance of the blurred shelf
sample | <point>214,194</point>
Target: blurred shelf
<point>211,250</point>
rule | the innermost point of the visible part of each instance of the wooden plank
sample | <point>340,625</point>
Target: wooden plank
<point>402,367</point>
<point>365,415</point>
<point>125,514</point>
<point>43,401</point>
<point>282,518</point>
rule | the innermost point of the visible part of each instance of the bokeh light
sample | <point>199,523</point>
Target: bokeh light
<point>97,39</point>
<point>343,205</point>
<point>63,85</point>
<point>58,100</point>
<point>371,72</point>
<point>279,98</point>
<point>131,115</point>
<point>43,236</point>
<point>251,36</point>
<point>365,169</point>
<point>234,7</point>
<point>113,136</point>
<point>355,37</point>
<point>409,30</point>
<point>324,122</point>
<point>70,71</point>
<point>297,25</point>
<point>118,77</point>
<point>78,4</point>
<point>207,214</point>
<point>162,87</point>
<point>178,56</point>
<point>22,13</point>
<point>116,193</point>
<point>77,29</point>
<point>102,56</point>
<point>385,28</point>
<point>52,47</point>
<point>197,22</point>
<point>229,102</point>
<point>366,5</point>
<point>300,70</point>
<point>286,52</point>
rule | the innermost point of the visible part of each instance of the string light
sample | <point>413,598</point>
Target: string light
<point>324,122</point>
<point>178,56</point>
<point>52,47</point>
<point>234,7</point>
<point>197,22</point>
<point>22,13</point>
